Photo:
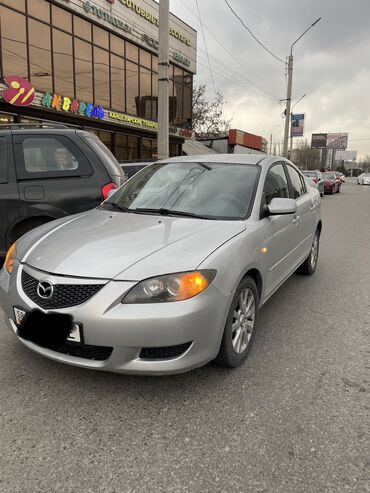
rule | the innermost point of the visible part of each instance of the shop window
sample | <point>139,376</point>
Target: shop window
<point>132,52</point>
<point>61,19</point>
<point>83,71</point>
<point>5,118</point>
<point>63,63</point>
<point>40,9</point>
<point>101,37</point>
<point>46,154</point>
<point>145,59</point>
<point>146,149</point>
<point>40,55</point>
<point>101,77</point>
<point>16,4</point>
<point>133,147</point>
<point>121,151</point>
<point>132,87</point>
<point>82,28</point>
<point>145,101</point>
<point>106,138</point>
<point>13,43</point>
<point>117,45</point>
<point>117,82</point>
<point>154,63</point>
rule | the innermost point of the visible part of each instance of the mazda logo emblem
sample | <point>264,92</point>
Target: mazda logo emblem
<point>45,289</point>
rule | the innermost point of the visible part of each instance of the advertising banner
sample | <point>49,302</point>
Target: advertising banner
<point>337,141</point>
<point>297,125</point>
<point>318,141</point>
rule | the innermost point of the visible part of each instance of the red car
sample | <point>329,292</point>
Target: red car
<point>332,182</point>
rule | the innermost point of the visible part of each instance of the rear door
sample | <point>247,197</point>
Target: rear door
<point>305,219</point>
<point>55,178</point>
<point>9,197</point>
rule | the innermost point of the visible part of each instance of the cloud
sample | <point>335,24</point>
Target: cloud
<point>330,62</point>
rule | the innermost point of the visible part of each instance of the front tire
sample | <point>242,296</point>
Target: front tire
<point>309,265</point>
<point>241,324</point>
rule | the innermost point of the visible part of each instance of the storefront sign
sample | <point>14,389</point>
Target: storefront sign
<point>145,14</point>
<point>57,102</point>
<point>181,58</point>
<point>153,43</point>
<point>20,92</point>
<point>133,119</point>
<point>102,14</point>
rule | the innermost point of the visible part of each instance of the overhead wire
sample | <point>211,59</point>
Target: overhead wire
<point>253,35</point>
<point>205,46</point>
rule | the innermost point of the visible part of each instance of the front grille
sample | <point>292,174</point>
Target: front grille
<point>64,295</point>
<point>167,352</point>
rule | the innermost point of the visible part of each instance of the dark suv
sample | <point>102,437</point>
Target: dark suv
<point>50,172</point>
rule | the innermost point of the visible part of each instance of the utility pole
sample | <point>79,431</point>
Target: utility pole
<point>163,65</point>
<point>289,90</point>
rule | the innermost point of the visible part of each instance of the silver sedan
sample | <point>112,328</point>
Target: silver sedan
<point>170,271</point>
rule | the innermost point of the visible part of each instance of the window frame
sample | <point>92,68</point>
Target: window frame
<point>303,184</point>
<point>4,173</point>
<point>262,205</point>
<point>84,168</point>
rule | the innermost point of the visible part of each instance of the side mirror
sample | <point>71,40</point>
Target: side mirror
<point>279,206</point>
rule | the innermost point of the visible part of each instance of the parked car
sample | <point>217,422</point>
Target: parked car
<point>340,175</point>
<point>332,183</point>
<point>363,179</point>
<point>315,179</point>
<point>130,169</point>
<point>170,271</point>
<point>50,172</point>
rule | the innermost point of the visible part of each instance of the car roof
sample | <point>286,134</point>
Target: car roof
<point>253,159</point>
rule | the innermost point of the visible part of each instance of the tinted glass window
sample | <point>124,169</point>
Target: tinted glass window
<point>3,163</point>
<point>132,170</point>
<point>213,190</point>
<point>298,188</point>
<point>13,42</point>
<point>40,54</point>
<point>63,63</point>
<point>276,185</point>
<point>47,154</point>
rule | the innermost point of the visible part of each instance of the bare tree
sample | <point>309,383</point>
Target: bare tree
<point>306,158</point>
<point>208,116</point>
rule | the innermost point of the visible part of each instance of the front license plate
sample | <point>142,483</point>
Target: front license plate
<point>75,335</point>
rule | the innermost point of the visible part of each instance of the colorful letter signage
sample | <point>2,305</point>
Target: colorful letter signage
<point>58,102</point>
<point>20,92</point>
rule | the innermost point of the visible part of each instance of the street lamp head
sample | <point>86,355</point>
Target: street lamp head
<point>316,21</point>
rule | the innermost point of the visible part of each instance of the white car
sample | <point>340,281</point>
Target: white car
<point>363,179</point>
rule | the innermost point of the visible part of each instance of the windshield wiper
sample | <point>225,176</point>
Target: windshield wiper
<point>167,212</point>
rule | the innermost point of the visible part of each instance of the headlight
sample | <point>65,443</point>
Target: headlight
<point>9,259</point>
<point>171,287</point>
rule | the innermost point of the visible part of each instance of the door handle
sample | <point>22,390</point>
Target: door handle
<point>295,219</point>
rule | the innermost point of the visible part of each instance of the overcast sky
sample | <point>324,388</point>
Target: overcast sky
<point>331,63</point>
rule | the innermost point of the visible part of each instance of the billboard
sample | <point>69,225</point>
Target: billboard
<point>297,125</point>
<point>318,141</point>
<point>337,141</point>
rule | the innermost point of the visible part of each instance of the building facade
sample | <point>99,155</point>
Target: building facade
<point>94,64</point>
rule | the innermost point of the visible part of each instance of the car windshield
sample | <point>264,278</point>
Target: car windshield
<point>208,190</point>
<point>330,176</point>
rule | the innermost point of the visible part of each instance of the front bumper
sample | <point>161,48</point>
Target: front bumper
<point>127,329</point>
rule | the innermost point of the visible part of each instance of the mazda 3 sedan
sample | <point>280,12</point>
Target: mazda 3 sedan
<point>170,271</point>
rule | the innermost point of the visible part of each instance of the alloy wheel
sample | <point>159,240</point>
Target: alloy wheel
<point>243,320</point>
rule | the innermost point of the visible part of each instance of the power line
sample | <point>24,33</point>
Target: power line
<point>253,36</point>
<point>224,47</point>
<point>205,45</point>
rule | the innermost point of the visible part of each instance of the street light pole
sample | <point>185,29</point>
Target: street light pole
<point>163,65</point>
<point>289,89</point>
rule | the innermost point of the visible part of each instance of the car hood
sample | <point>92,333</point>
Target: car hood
<point>107,245</point>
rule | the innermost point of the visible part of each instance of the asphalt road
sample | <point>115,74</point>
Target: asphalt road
<point>295,418</point>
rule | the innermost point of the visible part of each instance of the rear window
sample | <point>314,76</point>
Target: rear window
<point>132,170</point>
<point>3,161</point>
<point>47,154</point>
<point>109,161</point>
<point>307,173</point>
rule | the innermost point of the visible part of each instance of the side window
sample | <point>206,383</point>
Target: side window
<point>47,154</point>
<point>276,185</point>
<point>298,187</point>
<point>3,161</point>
